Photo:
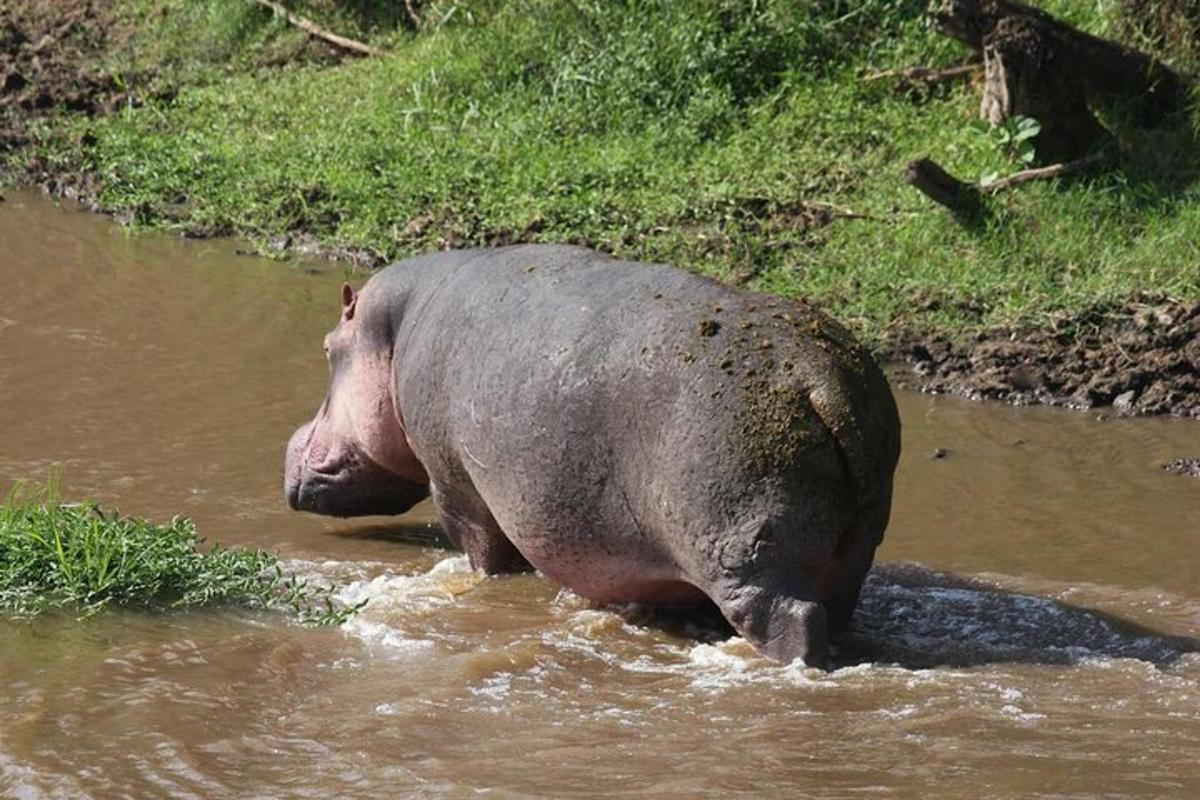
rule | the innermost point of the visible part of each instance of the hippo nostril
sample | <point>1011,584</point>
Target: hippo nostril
<point>329,464</point>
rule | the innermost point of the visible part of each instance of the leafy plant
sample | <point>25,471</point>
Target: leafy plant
<point>1013,140</point>
<point>75,556</point>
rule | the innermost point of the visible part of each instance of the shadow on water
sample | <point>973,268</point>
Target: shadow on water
<point>918,618</point>
<point>420,534</point>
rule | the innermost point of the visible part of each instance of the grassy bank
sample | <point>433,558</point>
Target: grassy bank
<point>78,559</point>
<point>735,138</point>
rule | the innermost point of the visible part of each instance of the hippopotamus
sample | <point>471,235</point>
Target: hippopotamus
<point>636,432</point>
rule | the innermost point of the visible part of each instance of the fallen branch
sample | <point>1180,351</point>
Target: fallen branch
<point>1041,173</point>
<point>966,199</point>
<point>828,213</point>
<point>313,29</point>
<point>963,199</point>
<point>926,74</point>
<point>413,17</point>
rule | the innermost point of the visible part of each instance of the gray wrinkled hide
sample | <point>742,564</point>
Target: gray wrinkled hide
<point>639,433</point>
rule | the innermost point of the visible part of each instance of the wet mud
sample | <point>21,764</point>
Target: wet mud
<point>1139,358</point>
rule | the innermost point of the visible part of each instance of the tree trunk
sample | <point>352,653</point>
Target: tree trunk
<point>1039,67</point>
<point>1026,73</point>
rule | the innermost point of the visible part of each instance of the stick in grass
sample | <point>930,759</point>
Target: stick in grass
<point>966,199</point>
<point>413,17</point>
<point>927,74</point>
<point>1041,173</point>
<point>963,199</point>
<point>313,29</point>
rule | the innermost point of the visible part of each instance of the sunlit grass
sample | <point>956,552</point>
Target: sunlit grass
<point>691,132</point>
<point>79,559</point>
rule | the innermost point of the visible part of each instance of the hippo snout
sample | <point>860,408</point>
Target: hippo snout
<point>353,494</point>
<point>334,479</point>
<point>291,492</point>
<point>294,465</point>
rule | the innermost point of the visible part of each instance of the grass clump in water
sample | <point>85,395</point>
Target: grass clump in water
<point>76,557</point>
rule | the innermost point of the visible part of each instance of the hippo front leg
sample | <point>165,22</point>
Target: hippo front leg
<point>471,528</point>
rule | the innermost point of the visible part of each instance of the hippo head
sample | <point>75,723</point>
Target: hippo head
<point>354,457</point>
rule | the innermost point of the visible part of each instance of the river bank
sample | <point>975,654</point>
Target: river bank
<point>738,142</point>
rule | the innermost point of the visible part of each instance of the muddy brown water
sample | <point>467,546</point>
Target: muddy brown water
<point>1031,632</point>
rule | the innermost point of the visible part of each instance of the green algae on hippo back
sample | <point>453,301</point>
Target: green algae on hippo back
<point>633,431</point>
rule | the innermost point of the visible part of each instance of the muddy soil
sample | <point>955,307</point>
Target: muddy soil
<point>51,57</point>
<point>1142,357</point>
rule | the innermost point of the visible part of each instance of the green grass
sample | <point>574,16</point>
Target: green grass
<point>202,41</point>
<point>78,559</point>
<point>709,133</point>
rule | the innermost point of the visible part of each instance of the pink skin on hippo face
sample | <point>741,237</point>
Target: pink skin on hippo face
<point>353,458</point>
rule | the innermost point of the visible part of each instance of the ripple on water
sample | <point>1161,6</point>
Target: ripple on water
<point>941,670</point>
<point>911,620</point>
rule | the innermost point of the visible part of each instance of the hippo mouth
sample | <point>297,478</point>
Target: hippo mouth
<point>348,487</point>
<point>312,484</point>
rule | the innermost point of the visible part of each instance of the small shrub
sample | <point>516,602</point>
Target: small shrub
<point>76,557</point>
<point>1014,140</point>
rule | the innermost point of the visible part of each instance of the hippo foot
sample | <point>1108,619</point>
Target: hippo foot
<point>782,628</point>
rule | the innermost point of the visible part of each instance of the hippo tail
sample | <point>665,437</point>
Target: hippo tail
<point>859,411</point>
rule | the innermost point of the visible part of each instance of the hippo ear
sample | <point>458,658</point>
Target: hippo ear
<point>348,301</point>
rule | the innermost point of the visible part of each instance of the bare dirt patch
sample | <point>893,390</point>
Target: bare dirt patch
<point>51,61</point>
<point>1140,358</point>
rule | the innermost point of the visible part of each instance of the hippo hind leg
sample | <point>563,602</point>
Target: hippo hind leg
<point>782,627</point>
<point>852,561</point>
<point>774,578</point>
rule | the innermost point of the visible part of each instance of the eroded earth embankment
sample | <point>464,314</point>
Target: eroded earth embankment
<point>1142,357</point>
<point>51,58</point>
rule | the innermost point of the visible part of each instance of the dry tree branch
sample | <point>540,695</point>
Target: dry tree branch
<point>1041,173</point>
<point>413,17</point>
<point>313,29</point>
<point>966,199</point>
<point>926,74</point>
